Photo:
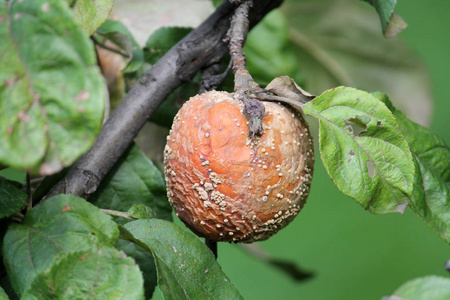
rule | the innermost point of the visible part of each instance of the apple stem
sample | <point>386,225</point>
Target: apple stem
<point>244,85</point>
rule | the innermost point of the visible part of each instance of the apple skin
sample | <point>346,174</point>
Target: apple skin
<point>228,186</point>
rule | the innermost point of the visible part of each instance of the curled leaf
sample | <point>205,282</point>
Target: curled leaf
<point>119,34</point>
<point>391,22</point>
<point>286,87</point>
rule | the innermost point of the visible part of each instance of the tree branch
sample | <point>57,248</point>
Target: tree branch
<point>243,81</point>
<point>204,46</point>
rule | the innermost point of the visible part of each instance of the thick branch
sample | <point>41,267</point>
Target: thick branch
<point>204,46</point>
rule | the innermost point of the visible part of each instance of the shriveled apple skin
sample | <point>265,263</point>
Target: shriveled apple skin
<point>226,186</point>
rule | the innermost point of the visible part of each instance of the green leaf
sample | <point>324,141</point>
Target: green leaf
<point>103,274</point>
<point>161,41</point>
<point>61,225</point>
<point>216,3</point>
<point>186,267</point>
<point>338,42</point>
<point>425,288</point>
<point>140,211</point>
<point>268,52</point>
<point>391,23</point>
<point>3,295</point>
<point>90,14</point>
<point>145,261</point>
<point>133,180</point>
<point>430,198</point>
<point>362,149</point>
<point>51,93</point>
<point>119,34</point>
<point>12,199</point>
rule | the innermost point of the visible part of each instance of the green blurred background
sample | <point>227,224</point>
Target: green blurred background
<point>354,254</point>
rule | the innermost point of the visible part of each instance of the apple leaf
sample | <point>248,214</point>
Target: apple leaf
<point>3,295</point>
<point>431,287</point>
<point>119,34</point>
<point>61,225</point>
<point>51,91</point>
<point>134,180</point>
<point>12,199</point>
<point>391,23</point>
<point>137,186</point>
<point>161,41</point>
<point>90,14</point>
<point>362,149</point>
<point>102,274</point>
<point>146,264</point>
<point>186,268</point>
<point>430,198</point>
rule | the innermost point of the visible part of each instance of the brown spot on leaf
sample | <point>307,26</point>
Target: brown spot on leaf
<point>23,117</point>
<point>370,169</point>
<point>36,98</point>
<point>66,208</point>
<point>357,126</point>
<point>45,7</point>
<point>10,81</point>
<point>47,169</point>
<point>82,96</point>
<point>84,256</point>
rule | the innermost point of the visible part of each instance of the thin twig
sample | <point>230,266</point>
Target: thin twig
<point>29,195</point>
<point>243,81</point>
